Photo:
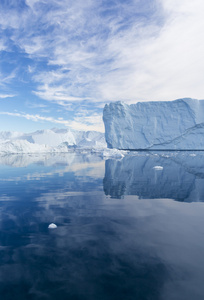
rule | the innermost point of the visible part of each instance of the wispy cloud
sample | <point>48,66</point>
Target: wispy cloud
<point>35,105</point>
<point>85,44</point>
<point>6,79</point>
<point>35,118</point>
<point>58,93</point>
<point>3,96</point>
<point>2,45</point>
<point>123,50</point>
<point>93,122</point>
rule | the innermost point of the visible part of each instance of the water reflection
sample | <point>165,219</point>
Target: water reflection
<point>103,248</point>
<point>178,176</point>
<point>36,166</point>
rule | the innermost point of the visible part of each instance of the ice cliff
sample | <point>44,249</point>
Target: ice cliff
<point>163,125</point>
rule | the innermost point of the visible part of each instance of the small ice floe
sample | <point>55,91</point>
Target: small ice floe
<point>113,153</point>
<point>158,168</point>
<point>192,154</point>
<point>52,226</point>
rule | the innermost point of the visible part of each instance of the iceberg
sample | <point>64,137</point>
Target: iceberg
<point>52,140</point>
<point>161,125</point>
<point>113,153</point>
<point>22,146</point>
<point>52,226</point>
<point>158,168</point>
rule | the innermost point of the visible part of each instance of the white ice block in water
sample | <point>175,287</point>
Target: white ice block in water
<point>158,168</point>
<point>52,226</point>
<point>161,125</point>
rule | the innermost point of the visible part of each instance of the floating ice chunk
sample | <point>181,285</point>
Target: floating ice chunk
<point>52,226</point>
<point>113,153</point>
<point>192,154</point>
<point>158,168</point>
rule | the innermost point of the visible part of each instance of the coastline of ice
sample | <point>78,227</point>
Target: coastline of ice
<point>51,141</point>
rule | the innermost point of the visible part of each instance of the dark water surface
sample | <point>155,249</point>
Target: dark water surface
<point>126,230</point>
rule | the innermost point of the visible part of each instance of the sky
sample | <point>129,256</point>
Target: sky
<point>61,61</point>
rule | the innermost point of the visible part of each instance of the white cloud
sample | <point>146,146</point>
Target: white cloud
<point>35,105</point>
<point>144,62</point>
<point>87,122</point>
<point>103,57</point>
<point>3,96</point>
<point>86,127</point>
<point>164,66</point>
<point>6,79</point>
<point>36,118</point>
<point>58,94</point>
<point>2,45</point>
<point>32,3</point>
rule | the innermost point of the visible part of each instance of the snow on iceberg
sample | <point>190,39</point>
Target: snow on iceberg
<point>22,146</point>
<point>8,135</point>
<point>162,125</point>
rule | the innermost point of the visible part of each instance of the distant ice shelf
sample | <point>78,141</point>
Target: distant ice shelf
<point>161,125</point>
<point>53,140</point>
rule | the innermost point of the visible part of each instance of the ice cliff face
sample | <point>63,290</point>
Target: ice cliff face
<point>170,125</point>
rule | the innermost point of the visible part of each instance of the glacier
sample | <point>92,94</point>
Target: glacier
<point>156,125</point>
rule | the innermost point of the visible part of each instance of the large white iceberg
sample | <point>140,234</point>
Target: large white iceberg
<point>169,125</point>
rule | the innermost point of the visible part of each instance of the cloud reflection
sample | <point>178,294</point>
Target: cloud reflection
<point>103,247</point>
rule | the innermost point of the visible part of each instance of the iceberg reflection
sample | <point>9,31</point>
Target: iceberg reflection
<point>175,175</point>
<point>102,248</point>
<point>27,167</point>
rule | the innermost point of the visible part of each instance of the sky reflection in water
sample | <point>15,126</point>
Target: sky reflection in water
<point>116,238</point>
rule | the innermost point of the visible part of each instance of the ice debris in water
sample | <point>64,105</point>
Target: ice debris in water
<point>113,153</point>
<point>158,168</point>
<point>52,226</point>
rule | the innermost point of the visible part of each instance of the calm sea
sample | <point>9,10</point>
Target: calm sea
<point>129,229</point>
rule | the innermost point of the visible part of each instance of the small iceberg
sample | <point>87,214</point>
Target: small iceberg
<point>113,153</point>
<point>52,226</point>
<point>158,168</point>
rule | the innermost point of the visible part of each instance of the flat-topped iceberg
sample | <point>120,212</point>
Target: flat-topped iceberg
<point>169,125</point>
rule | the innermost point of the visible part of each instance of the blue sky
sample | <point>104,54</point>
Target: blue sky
<point>62,60</point>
